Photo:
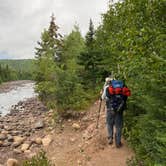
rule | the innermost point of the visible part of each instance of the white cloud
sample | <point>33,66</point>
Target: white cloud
<point>22,21</point>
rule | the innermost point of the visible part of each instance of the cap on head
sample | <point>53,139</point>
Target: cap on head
<point>108,79</point>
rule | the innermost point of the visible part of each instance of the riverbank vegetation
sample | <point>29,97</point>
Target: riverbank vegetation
<point>11,70</point>
<point>130,41</point>
<point>40,159</point>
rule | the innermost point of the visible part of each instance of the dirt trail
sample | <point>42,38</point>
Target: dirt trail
<point>86,146</point>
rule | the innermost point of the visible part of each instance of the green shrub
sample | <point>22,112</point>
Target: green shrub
<point>39,160</point>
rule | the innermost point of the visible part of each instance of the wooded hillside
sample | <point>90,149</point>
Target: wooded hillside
<point>16,69</point>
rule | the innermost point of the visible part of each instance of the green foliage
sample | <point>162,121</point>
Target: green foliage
<point>57,80</point>
<point>7,74</point>
<point>47,62</point>
<point>16,69</point>
<point>131,40</point>
<point>20,64</point>
<point>89,60</point>
<point>69,91</point>
<point>39,160</point>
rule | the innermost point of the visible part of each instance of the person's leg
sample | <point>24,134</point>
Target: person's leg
<point>118,126</point>
<point>110,123</point>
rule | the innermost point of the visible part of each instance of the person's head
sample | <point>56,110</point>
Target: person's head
<point>108,80</point>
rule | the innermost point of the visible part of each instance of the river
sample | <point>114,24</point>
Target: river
<point>13,92</point>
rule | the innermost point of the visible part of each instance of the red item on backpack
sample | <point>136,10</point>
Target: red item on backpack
<point>116,91</point>
<point>126,91</point>
<point>111,90</point>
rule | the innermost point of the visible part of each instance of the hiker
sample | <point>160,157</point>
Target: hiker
<point>115,94</point>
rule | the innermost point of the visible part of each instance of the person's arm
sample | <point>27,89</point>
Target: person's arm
<point>107,94</point>
<point>103,96</point>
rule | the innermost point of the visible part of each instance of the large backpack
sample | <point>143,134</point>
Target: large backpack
<point>118,93</point>
<point>117,87</point>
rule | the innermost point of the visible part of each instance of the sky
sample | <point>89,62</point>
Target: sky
<point>22,22</point>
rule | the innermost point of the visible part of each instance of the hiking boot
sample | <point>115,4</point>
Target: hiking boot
<point>110,141</point>
<point>119,145</point>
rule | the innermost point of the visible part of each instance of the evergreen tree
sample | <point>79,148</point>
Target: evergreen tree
<point>90,36</point>
<point>89,59</point>
<point>69,91</point>
<point>47,59</point>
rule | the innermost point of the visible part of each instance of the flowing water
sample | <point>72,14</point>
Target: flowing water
<point>12,97</point>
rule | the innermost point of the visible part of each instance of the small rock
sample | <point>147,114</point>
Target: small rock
<point>27,151</point>
<point>46,140</point>
<point>2,137</point>
<point>17,151</point>
<point>5,144</point>
<point>76,126</point>
<point>79,162</point>
<point>72,139</point>
<point>27,134</point>
<point>1,143</point>
<point>4,132</point>
<point>85,119</point>
<point>14,133</point>
<point>25,147</point>
<point>8,128</point>
<point>39,124</point>
<point>10,138</point>
<point>12,162</point>
<point>18,139</point>
<point>69,120</point>
<point>80,146</point>
<point>38,141</point>
<point>1,126</point>
<point>16,144</point>
<point>51,110</point>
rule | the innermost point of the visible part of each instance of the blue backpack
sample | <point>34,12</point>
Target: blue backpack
<point>117,84</point>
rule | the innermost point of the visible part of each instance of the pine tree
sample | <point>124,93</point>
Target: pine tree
<point>89,38</point>
<point>69,92</point>
<point>47,60</point>
<point>89,59</point>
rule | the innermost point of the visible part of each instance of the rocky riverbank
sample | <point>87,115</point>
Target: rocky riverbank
<point>8,86</point>
<point>23,131</point>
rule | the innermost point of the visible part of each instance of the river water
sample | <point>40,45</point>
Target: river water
<point>12,97</point>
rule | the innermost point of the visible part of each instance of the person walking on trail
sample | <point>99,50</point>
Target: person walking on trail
<point>115,94</point>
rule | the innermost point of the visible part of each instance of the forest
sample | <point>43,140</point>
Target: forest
<point>16,70</point>
<point>130,44</point>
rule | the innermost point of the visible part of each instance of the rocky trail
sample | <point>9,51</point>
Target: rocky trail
<point>73,142</point>
<point>81,144</point>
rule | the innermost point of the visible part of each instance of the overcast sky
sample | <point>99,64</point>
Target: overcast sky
<point>22,21</point>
